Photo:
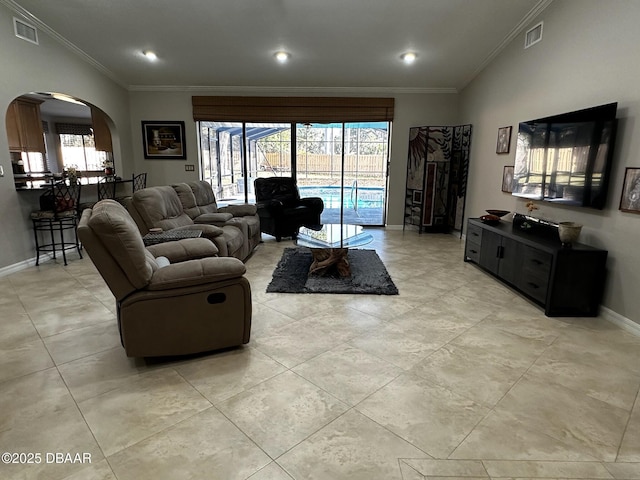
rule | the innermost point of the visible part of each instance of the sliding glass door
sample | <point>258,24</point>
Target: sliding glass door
<point>346,165</point>
<point>343,163</point>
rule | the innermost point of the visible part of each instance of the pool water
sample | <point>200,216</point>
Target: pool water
<point>365,197</point>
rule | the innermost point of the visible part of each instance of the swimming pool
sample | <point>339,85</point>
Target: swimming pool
<point>363,197</point>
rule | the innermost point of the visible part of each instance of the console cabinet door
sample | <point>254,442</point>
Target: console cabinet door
<point>510,260</point>
<point>490,251</point>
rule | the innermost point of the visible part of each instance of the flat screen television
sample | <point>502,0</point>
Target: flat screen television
<point>566,159</point>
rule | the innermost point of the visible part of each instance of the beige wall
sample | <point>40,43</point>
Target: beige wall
<point>47,67</point>
<point>588,56</point>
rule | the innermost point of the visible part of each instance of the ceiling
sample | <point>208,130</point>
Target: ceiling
<point>334,44</point>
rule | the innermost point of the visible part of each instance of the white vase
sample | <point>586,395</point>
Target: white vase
<point>569,232</point>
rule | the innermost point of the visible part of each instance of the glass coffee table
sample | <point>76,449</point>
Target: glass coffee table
<point>330,246</point>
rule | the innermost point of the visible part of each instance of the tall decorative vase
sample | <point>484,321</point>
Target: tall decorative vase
<point>569,233</point>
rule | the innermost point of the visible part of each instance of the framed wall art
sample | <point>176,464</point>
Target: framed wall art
<point>504,140</point>
<point>507,179</point>
<point>163,140</point>
<point>630,199</point>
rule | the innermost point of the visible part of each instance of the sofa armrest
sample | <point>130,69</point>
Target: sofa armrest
<point>196,272</point>
<point>243,210</point>
<point>315,203</point>
<point>213,218</point>
<point>208,231</point>
<point>182,250</point>
<point>273,207</point>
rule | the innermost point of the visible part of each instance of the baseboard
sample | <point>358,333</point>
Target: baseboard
<point>16,267</point>
<point>621,321</point>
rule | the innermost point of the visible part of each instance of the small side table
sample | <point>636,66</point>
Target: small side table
<point>169,236</point>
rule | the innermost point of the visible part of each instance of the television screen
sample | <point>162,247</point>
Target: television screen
<point>566,158</point>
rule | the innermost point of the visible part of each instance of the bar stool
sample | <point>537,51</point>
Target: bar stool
<point>139,181</point>
<point>58,213</point>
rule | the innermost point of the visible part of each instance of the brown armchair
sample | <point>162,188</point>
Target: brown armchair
<point>174,298</point>
<point>282,212</point>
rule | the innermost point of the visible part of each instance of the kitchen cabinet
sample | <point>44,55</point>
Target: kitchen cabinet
<point>24,126</point>
<point>564,281</point>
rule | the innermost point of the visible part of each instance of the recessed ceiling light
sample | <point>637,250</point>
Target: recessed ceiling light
<point>409,57</point>
<point>282,57</point>
<point>150,55</point>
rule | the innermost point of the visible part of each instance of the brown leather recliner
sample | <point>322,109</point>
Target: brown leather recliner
<point>282,212</point>
<point>199,202</point>
<point>160,207</point>
<point>173,298</point>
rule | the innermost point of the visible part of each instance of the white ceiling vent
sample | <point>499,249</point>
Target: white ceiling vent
<point>533,35</point>
<point>25,31</point>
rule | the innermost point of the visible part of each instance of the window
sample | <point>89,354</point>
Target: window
<point>78,148</point>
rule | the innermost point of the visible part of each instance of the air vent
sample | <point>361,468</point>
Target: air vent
<point>533,35</point>
<point>25,31</point>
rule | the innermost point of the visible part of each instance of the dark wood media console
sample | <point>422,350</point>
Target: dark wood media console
<point>529,257</point>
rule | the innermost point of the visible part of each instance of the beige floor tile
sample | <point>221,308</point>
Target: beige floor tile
<point>206,445</point>
<point>622,469</point>
<point>140,407</point>
<point>502,436</point>
<point>409,473</point>
<point>353,447</point>
<point>96,471</point>
<point>23,358</point>
<point>541,469</point>
<point>60,317</point>
<point>264,319</point>
<point>468,374</point>
<point>592,426</point>
<point>39,416</point>
<point>382,306</point>
<point>297,306</point>
<point>16,328</point>
<point>223,375</point>
<point>348,373</point>
<point>281,412</point>
<point>84,341</point>
<point>430,417</point>
<point>588,373</point>
<point>448,468</point>
<point>273,471</point>
<point>392,343</point>
<point>630,446</point>
<point>501,346</point>
<point>297,342</point>
<point>96,374</point>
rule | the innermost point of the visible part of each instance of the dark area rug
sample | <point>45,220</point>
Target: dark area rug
<point>368,275</point>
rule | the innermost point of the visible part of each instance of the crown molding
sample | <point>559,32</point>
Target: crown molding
<point>532,14</point>
<point>40,25</point>
<point>289,90</point>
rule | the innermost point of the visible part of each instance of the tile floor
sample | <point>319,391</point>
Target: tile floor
<point>457,377</point>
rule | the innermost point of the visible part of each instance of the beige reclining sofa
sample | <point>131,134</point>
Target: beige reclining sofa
<point>173,298</point>
<point>199,202</point>
<point>160,207</point>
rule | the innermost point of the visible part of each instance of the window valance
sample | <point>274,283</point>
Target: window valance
<point>292,109</point>
<point>73,129</point>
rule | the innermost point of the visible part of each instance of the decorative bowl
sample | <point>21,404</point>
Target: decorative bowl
<point>490,219</point>
<point>497,213</point>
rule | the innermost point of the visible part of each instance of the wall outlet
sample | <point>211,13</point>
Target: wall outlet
<point>189,168</point>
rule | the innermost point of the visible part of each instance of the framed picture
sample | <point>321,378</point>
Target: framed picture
<point>630,199</point>
<point>163,140</point>
<point>504,140</point>
<point>417,196</point>
<point>507,179</point>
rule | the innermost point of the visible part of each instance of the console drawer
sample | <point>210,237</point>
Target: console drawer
<point>536,267</point>
<point>474,233</point>
<point>472,251</point>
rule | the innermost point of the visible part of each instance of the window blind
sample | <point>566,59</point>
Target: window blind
<point>73,129</point>
<point>292,109</point>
